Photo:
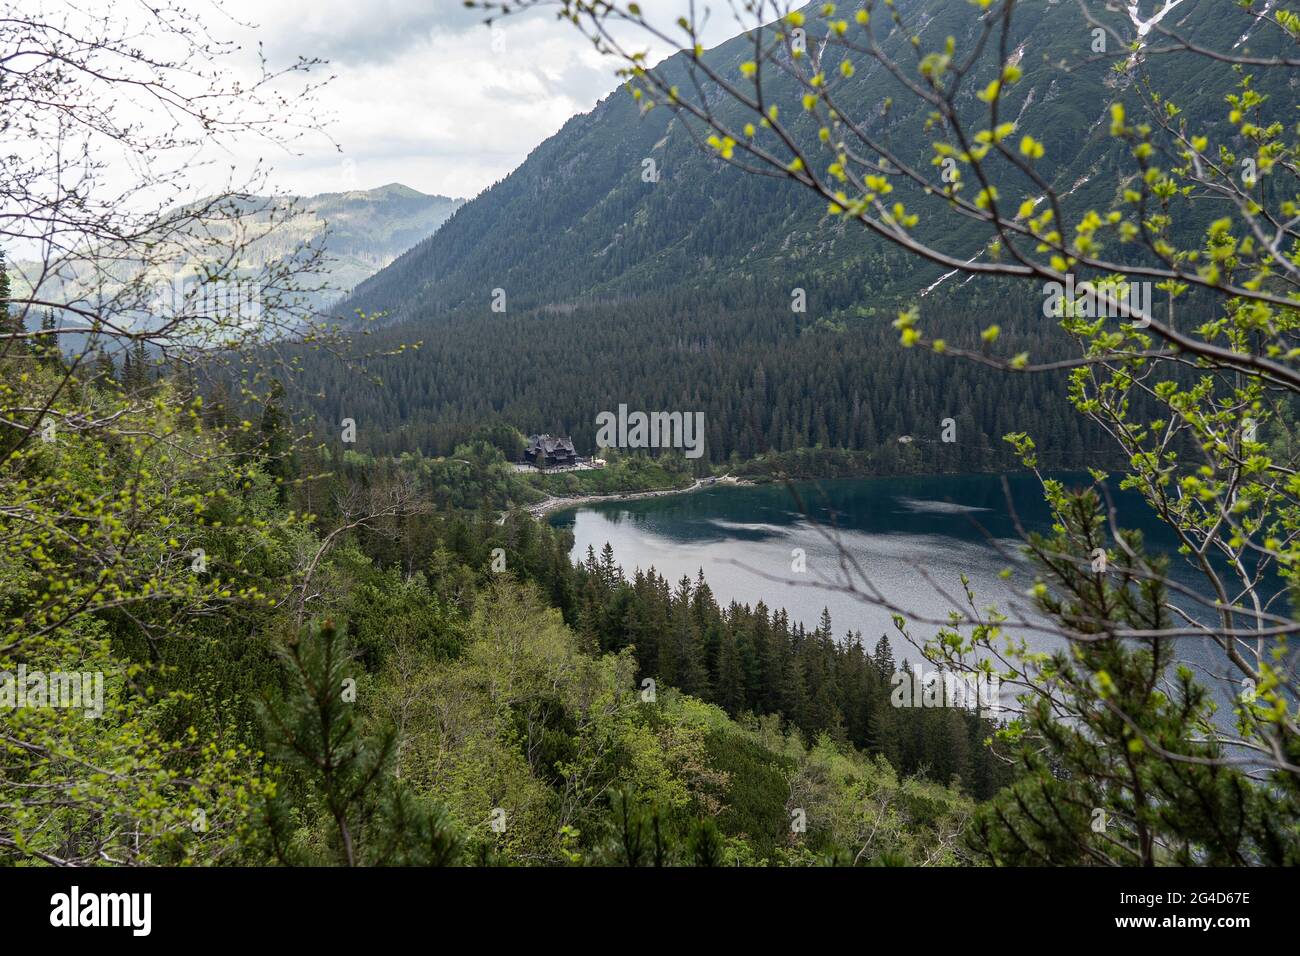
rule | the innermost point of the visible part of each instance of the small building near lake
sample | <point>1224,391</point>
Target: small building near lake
<point>544,451</point>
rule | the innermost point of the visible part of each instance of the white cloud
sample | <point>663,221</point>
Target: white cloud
<point>423,95</point>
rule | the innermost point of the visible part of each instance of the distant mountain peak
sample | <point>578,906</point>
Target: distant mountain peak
<point>388,191</point>
<point>399,189</point>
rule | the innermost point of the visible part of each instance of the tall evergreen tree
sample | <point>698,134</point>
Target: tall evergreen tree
<point>315,730</point>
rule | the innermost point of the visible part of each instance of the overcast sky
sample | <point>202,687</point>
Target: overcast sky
<point>426,94</point>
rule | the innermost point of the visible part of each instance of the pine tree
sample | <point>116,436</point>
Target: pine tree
<point>883,659</point>
<point>104,371</point>
<point>9,323</point>
<point>611,573</point>
<point>1196,809</point>
<point>682,665</point>
<point>315,732</point>
<point>824,627</point>
<point>139,367</point>
<point>729,690</point>
<point>276,443</point>
<point>48,344</point>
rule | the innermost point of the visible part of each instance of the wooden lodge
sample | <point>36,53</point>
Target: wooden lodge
<point>543,451</point>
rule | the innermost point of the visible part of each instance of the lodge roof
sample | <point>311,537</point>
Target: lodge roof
<point>549,445</point>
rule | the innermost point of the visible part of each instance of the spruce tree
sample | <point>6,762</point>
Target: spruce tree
<point>883,659</point>
<point>1141,778</point>
<point>139,366</point>
<point>315,732</point>
<point>48,344</point>
<point>104,371</point>
<point>9,323</point>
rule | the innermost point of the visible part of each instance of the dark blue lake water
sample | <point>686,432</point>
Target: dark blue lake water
<point>913,537</point>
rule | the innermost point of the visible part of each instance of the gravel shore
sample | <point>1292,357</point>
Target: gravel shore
<point>562,502</point>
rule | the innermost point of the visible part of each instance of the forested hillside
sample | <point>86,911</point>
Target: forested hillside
<point>766,378</point>
<point>477,712</point>
<point>682,291</point>
<point>235,637</point>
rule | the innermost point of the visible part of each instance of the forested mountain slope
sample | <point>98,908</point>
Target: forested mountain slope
<point>369,228</point>
<point>678,293</point>
<point>577,221</point>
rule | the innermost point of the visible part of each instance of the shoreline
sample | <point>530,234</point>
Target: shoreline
<point>565,502</point>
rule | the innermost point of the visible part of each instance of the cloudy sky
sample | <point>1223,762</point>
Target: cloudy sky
<point>426,94</point>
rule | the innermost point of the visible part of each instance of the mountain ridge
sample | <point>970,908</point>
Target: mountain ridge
<point>575,220</point>
<point>681,293</point>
